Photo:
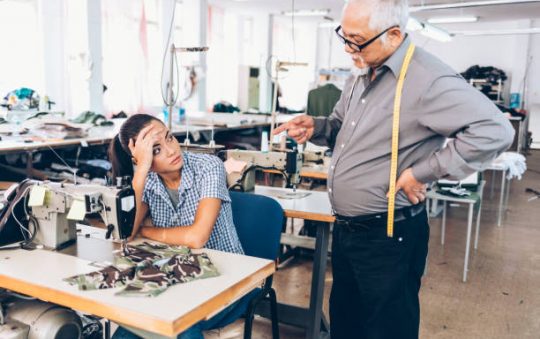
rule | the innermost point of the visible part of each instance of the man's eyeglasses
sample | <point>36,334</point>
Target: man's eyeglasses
<point>359,47</point>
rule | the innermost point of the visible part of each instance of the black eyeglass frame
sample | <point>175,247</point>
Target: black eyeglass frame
<point>359,47</point>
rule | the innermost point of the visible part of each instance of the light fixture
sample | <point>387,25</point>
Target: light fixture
<point>435,33</point>
<point>512,31</point>
<point>308,12</point>
<point>331,24</point>
<point>468,4</point>
<point>428,30</point>
<point>452,19</point>
<point>414,24</point>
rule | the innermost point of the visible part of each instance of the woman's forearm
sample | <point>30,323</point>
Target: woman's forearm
<point>195,235</point>
<point>138,182</point>
<point>180,235</point>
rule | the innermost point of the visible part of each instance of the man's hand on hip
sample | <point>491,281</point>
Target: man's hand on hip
<point>300,128</point>
<point>415,190</point>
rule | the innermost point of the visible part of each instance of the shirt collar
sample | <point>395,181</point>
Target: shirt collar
<point>395,61</point>
<point>185,183</point>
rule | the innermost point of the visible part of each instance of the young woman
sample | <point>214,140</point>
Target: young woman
<point>181,199</point>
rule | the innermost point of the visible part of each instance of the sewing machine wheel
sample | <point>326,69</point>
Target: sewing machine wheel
<point>46,320</point>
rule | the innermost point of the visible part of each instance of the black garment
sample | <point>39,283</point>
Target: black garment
<point>321,100</point>
<point>377,279</point>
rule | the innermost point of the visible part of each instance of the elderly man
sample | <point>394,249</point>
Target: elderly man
<point>377,276</point>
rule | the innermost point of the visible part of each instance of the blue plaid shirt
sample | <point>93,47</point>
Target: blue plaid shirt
<point>203,176</point>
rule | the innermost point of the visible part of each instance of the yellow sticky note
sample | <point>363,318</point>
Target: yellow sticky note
<point>77,210</point>
<point>37,196</point>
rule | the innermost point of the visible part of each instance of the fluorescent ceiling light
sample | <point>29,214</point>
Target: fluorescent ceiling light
<point>414,24</point>
<point>468,4</point>
<point>308,12</point>
<point>452,20</point>
<point>331,24</point>
<point>435,33</point>
<point>428,30</point>
<point>514,31</point>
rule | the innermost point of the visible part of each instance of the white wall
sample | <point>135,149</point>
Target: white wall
<point>506,52</point>
<point>533,87</point>
<point>295,84</point>
<point>330,51</point>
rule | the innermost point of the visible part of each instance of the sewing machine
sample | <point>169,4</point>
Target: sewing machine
<point>286,162</point>
<point>55,207</point>
<point>314,157</point>
<point>52,209</point>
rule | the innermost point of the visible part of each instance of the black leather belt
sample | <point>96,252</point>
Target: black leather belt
<point>379,218</point>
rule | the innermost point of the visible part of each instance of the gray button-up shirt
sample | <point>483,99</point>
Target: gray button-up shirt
<point>437,103</point>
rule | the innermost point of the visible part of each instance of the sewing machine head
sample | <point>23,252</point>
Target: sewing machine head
<point>288,162</point>
<point>54,208</point>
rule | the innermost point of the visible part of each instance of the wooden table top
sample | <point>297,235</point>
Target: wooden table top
<point>39,273</point>
<point>307,205</point>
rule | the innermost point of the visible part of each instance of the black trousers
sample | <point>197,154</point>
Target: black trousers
<point>377,279</point>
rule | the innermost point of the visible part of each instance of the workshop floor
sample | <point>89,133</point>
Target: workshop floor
<point>501,298</point>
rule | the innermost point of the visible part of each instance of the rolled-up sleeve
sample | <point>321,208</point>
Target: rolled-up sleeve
<point>214,181</point>
<point>479,130</point>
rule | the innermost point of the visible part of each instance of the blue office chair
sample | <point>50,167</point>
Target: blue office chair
<point>259,221</point>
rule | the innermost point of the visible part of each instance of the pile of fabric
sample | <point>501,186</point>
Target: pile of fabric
<point>148,270</point>
<point>89,117</point>
<point>489,73</point>
<point>59,130</point>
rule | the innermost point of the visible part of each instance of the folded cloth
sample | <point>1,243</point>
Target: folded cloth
<point>109,277</point>
<point>89,117</point>
<point>153,279</point>
<point>148,270</point>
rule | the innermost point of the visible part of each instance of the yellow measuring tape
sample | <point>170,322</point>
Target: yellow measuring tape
<point>395,141</point>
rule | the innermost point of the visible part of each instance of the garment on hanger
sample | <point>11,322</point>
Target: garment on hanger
<point>321,100</point>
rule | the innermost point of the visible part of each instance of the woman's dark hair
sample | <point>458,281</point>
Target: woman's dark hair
<point>119,153</point>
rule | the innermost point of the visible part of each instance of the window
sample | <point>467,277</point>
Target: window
<point>21,58</point>
<point>132,55</point>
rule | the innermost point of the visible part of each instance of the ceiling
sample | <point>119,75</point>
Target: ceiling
<point>529,10</point>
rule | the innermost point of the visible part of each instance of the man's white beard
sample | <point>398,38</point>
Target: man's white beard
<point>356,71</point>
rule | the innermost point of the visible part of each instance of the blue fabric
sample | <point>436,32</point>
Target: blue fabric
<point>203,176</point>
<point>259,222</point>
<point>222,319</point>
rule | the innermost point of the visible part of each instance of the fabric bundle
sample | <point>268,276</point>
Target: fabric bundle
<point>148,270</point>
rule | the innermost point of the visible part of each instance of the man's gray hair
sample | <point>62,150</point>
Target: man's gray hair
<point>385,13</point>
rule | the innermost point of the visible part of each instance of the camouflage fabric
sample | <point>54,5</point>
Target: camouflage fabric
<point>148,270</point>
<point>108,277</point>
<point>142,254</point>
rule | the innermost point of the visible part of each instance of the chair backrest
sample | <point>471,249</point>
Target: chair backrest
<point>259,222</point>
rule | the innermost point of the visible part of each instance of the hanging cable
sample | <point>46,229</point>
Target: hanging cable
<point>166,50</point>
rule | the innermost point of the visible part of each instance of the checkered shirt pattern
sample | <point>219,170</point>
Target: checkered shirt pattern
<point>203,176</point>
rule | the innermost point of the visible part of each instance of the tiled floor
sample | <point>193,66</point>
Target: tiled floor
<point>502,296</point>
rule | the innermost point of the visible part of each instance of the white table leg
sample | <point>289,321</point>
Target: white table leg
<point>478,224</point>
<point>507,195</point>
<point>443,226</point>
<point>468,245</point>
<point>501,200</point>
